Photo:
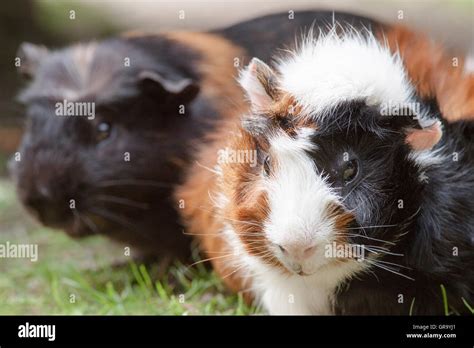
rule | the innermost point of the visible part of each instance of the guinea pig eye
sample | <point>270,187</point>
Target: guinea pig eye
<point>267,166</point>
<point>103,131</point>
<point>350,171</point>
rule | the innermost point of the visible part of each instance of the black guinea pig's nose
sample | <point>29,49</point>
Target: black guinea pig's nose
<point>50,210</point>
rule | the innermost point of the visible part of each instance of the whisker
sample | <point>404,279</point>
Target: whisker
<point>111,216</point>
<point>121,200</point>
<point>217,234</point>
<point>239,267</point>
<point>208,169</point>
<point>395,264</point>
<point>366,237</point>
<point>375,249</point>
<point>375,226</point>
<point>391,270</point>
<point>233,272</point>
<point>210,259</point>
<point>133,182</point>
<point>87,221</point>
<point>209,194</point>
<point>230,219</point>
<point>355,186</point>
<point>118,220</point>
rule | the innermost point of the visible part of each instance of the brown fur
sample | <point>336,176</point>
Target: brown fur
<point>286,112</point>
<point>342,220</point>
<point>248,207</point>
<point>9,139</point>
<point>201,216</point>
<point>218,68</point>
<point>432,72</point>
<point>218,84</point>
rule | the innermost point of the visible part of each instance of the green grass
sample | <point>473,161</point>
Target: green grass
<point>468,306</point>
<point>93,276</point>
<point>445,300</point>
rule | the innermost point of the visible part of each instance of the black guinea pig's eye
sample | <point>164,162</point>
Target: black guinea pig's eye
<point>267,166</point>
<point>103,131</point>
<point>350,171</point>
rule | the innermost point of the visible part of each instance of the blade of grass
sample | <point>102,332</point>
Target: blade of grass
<point>412,306</point>
<point>138,277</point>
<point>467,305</point>
<point>146,277</point>
<point>445,300</point>
<point>161,291</point>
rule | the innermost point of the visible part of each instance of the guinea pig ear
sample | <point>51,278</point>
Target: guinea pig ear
<point>260,84</point>
<point>31,56</point>
<point>182,91</point>
<point>424,138</point>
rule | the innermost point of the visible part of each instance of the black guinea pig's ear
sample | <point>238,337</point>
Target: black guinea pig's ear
<point>182,91</point>
<point>423,133</point>
<point>420,133</point>
<point>424,138</point>
<point>30,57</point>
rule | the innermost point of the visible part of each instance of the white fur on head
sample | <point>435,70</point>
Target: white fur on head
<point>334,67</point>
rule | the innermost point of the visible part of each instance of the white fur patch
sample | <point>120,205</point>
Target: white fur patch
<point>298,196</point>
<point>333,68</point>
<point>296,295</point>
<point>428,158</point>
<point>283,294</point>
<point>298,200</point>
<point>282,143</point>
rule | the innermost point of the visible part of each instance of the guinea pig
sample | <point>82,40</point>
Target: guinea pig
<point>343,190</point>
<point>93,170</point>
<point>144,99</point>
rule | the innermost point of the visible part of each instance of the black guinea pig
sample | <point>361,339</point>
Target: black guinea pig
<point>104,139</point>
<point>110,125</point>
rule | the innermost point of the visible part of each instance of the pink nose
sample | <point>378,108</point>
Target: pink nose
<point>297,251</point>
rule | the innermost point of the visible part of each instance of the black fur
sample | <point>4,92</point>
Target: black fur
<point>266,37</point>
<point>62,159</point>
<point>437,215</point>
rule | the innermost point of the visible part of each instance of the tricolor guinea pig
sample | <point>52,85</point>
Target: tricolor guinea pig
<point>343,191</point>
<point>110,125</point>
